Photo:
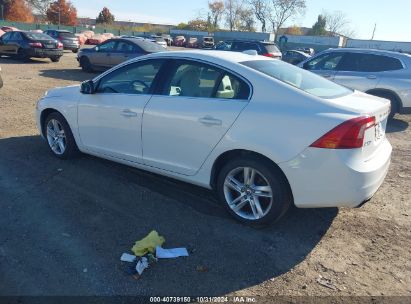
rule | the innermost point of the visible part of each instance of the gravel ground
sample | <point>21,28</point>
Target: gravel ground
<point>64,224</point>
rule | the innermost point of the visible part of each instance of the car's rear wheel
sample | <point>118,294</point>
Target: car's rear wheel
<point>59,136</point>
<point>85,64</point>
<point>55,58</point>
<point>75,51</point>
<point>22,55</point>
<point>392,99</point>
<point>253,190</point>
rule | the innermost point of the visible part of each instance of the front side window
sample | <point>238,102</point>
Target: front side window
<point>192,79</point>
<point>107,47</point>
<point>326,62</point>
<point>298,78</point>
<point>136,78</point>
<point>124,47</point>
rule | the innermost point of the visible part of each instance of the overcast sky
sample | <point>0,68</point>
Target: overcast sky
<point>393,18</point>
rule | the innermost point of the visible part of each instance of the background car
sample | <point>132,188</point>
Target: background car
<point>307,50</point>
<point>381,73</point>
<point>193,43</point>
<point>223,46</point>
<point>180,41</point>
<point>26,45</point>
<point>159,40</point>
<point>295,57</point>
<point>268,49</point>
<point>115,51</point>
<point>167,38</point>
<point>208,43</point>
<point>262,133</point>
<point>68,39</point>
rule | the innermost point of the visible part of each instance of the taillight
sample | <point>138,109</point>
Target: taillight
<point>59,45</point>
<point>348,135</point>
<point>36,45</point>
<point>269,55</point>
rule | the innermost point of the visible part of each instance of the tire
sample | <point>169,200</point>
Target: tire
<point>55,58</point>
<point>75,51</point>
<point>61,143</point>
<point>21,55</point>
<point>253,209</point>
<point>394,102</point>
<point>85,64</point>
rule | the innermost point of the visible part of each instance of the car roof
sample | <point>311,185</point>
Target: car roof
<point>212,56</point>
<point>299,52</point>
<point>361,50</point>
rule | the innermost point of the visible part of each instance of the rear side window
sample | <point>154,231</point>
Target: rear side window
<point>245,46</point>
<point>356,62</point>
<point>150,47</point>
<point>66,35</point>
<point>193,79</point>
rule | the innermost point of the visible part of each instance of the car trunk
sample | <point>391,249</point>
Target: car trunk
<point>367,105</point>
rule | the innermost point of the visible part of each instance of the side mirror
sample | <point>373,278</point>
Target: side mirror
<point>87,87</point>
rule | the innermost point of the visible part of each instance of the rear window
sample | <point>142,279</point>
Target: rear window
<point>208,39</point>
<point>370,63</point>
<point>271,48</point>
<point>299,78</point>
<point>150,47</point>
<point>66,35</point>
<point>37,36</point>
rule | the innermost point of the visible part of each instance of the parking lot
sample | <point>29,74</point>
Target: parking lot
<point>64,224</point>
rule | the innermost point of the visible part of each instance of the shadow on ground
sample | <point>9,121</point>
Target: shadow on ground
<point>66,223</point>
<point>396,125</point>
<point>67,74</point>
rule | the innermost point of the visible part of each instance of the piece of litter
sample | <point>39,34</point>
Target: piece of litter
<point>202,269</point>
<point>326,283</point>
<point>162,253</point>
<point>142,265</point>
<point>125,257</point>
<point>148,244</point>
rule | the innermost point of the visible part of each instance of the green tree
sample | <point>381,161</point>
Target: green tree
<point>105,17</point>
<point>319,28</point>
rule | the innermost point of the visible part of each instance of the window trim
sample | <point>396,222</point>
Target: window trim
<point>159,81</point>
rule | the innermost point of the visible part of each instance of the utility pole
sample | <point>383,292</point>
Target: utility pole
<point>373,32</point>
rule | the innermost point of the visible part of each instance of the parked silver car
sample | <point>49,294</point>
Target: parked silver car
<point>381,73</point>
<point>68,39</point>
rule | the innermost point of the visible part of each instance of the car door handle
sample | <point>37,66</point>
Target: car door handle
<point>372,77</point>
<point>210,121</point>
<point>128,113</point>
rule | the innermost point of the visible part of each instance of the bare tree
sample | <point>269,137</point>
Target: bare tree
<point>246,20</point>
<point>283,10</point>
<point>338,24</point>
<point>40,6</point>
<point>216,12</point>
<point>233,10</point>
<point>261,12</point>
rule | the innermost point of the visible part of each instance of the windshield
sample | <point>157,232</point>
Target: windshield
<point>150,47</point>
<point>38,36</point>
<point>299,78</point>
<point>208,39</point>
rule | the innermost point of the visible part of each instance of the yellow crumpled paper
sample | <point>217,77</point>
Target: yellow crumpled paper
<point>148,244</point>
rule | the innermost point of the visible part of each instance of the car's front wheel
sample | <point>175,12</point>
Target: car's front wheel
<point>253,190</point>
<point>59,136</point>
<point>85,64</point>
<point>55,58</point>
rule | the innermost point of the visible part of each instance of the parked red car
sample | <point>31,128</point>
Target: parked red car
<point>180,41</point>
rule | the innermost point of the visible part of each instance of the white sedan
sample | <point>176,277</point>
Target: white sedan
<point>260,132</point>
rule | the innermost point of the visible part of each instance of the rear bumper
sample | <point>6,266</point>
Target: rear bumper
<point>332,178</point>
<point>44,53</point>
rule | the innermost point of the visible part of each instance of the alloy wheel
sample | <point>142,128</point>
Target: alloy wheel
<point>56,137</point>
<point>248,193</point>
